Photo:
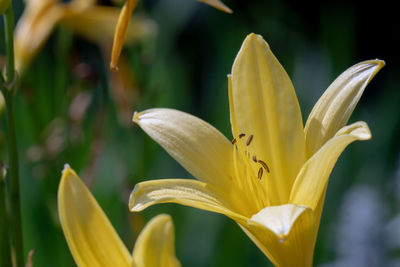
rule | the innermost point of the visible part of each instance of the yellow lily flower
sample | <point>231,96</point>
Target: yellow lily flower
<point>122,25</point>
<point>92,239</point>
<point>272,178</point>
<point>93,22</point>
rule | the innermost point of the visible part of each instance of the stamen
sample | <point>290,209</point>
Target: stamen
<point>260,173</point>
<point>264,165</point>
<point>242,135</point>
<point>234,141</point>
<point>249,140</point>
<point>254,158</point>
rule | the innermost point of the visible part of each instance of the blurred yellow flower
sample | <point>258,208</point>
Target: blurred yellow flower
<point>121,28</point>
<point>93,22</point>
<point>92,239</point>
<point>272,178</point>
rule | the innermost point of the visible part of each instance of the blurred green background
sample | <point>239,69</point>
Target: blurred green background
<point>71,109</point>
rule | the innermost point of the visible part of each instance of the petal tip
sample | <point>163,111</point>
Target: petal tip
<point>113,67</point>
<point>134,206</point>
<point>136,117</point>
<point>364,133</point>
<point>66,175</point>
<point>279,219</point>
<point>378,64</point>
<point>359,129</point>
<point>164,217</point>
<point>253,38</point>
<point>67,168</point>
<point>375,65</point>
<point>252,42</point>
<point>381,63</point>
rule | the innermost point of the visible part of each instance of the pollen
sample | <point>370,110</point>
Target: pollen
<point>264,165</point>
<point>254,158</point>
<point>234,141</point>
<point>242,135</point>
<point>260,173</point>
<point>249,140</point>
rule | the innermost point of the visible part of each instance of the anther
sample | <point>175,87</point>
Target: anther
<point>249,140</point>
<point>254,158</point>
<point>260,173</point>
<point>242,135</point>
<point>233,141</point>
<point>264,165</point>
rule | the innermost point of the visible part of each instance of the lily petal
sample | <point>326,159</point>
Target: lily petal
<point>120,31</point>
<point>284,233</point>
<point>181,191</point>
<point>333,109</point>
<point>266,107</point>
<point>91,238</point>
<point>196,145</point>
<point>155,245</point>
<point>311,182</point>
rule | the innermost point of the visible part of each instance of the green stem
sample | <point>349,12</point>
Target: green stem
<point>16,222</point>
<point>9,92</point>
<point>5,248</point>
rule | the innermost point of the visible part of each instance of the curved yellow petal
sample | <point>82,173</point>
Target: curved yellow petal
<point>284,233</point>
<point>217,4</point>
<point>311,182</point>
<point>155,245</point>
<point>335,106</point>
<point>98,23</point>
<point>181,191</point>
<point>266,106</point>
<point>196,145</point>
<point>120,31</point>
<point>91,238</point>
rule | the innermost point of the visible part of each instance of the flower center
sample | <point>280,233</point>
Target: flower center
<point>249,170</point>
<point>239,141</point>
